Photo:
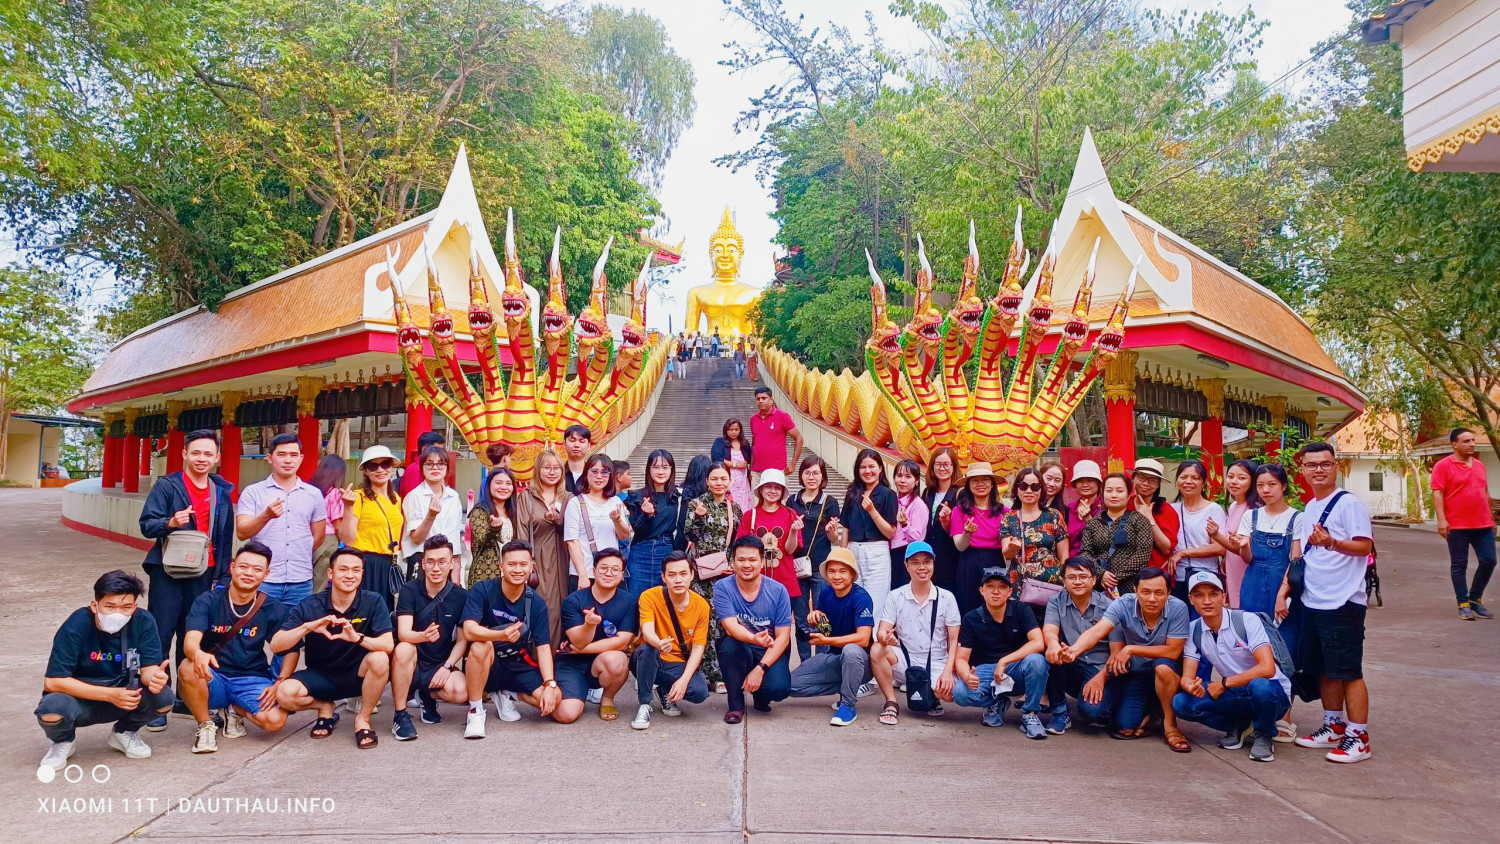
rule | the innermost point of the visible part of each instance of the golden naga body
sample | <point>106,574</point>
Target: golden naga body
<point>917,391</point>
<point>514,407</point>
<point>725,301</point>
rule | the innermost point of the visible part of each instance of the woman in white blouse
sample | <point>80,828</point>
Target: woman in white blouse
<point>432,509</point>
<point>595,519</point>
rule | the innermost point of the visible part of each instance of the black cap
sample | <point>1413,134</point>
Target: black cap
<point>994,573</point>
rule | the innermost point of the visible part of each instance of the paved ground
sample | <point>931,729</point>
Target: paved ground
<point>778,778</point>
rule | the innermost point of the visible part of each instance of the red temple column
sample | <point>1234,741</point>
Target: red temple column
<point>176,439</point>
<point>110,469</point>
<point>1211,432</point>
<point>1119,409</point>
<point>309,427</point>
<point>128,450</point>
<point>418,422</point>
<point>230,433</point>
<point>148,445</point>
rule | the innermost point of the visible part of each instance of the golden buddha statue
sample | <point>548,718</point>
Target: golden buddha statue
<point>725,301</point>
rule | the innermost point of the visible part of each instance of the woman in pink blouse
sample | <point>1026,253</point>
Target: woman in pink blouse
<point>911,517</point>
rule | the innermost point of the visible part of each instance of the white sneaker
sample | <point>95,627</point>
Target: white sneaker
<point>668,708</point>
<point>58,755</point>
<point>642,717</point>
<point>413,702</point>
<point>864,691</point>
<point>234,724</point>
<point>505,706</point>
<point>595,696</point>
<point>474,729</point>
<point>131,744</point>
<point>205,741</point>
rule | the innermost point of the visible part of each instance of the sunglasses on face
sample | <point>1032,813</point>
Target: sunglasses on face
<point>381,466</point>
<point>1029,487</point>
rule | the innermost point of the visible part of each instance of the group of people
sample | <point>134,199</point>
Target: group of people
<point>553,589</point>
<point>691,345</point>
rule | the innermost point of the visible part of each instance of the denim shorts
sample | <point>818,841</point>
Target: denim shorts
<point>243,692</point>
<point>1333,642</point>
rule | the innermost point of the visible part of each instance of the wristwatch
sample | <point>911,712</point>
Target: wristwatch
<point>360,640</point>
<point>763,667</point>
<point>450,667</point>
<point>551,684</point>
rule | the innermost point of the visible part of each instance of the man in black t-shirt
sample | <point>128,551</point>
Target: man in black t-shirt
<point>1000,653</point>
<point>105,668</point>
<point>599,624</point>
<point>429,612</point>
<point>505,622</point>
<point>226,667</point>
<point>345,636</point>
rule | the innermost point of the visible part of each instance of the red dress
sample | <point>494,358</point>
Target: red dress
<point>773,529</point>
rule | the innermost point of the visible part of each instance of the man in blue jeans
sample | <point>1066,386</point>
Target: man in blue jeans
<point>756,613</point>
<point>1000,653</point>
<point>1069,613</point>
<point>1251,692</point>
<point>1147,632</point>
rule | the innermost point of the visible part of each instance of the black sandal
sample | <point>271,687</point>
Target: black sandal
<point>323,727</point>
<point>890,714</point>
<point>365,739</point>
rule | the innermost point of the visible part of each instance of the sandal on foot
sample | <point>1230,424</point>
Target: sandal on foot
<point>1128,735</point>
<point>608,712</point>
<point>323,727</point>
<point>1176,741</point>
<point>890,714</point>
<point>365,739</point>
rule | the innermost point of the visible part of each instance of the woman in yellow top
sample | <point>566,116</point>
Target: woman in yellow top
<point>373,522</point>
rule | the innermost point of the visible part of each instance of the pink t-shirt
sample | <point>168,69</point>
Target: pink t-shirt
<point>1466,493</point>
<point>916,521</point>
<point>768,435</point>
<point>987,534</point>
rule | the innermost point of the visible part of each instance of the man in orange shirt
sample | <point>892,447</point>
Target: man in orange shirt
<point>1461,497</point>
<point>675,624</point>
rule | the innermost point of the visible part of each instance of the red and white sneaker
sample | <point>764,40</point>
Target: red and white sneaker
<point>1354,748</point>
<point>1327,736</point>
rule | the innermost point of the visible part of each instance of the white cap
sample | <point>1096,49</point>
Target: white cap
<point>1201,577</point>
<point>1086,470</point>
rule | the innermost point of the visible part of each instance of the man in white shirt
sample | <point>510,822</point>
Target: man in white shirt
<point>1251,692</point>
<point>1336,545</point>
<point>910,634</point>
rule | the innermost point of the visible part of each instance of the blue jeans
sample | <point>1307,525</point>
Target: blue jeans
<point>77,712</point>
<point>1030,675</point>
<point>643,569</point>
<point>1069,679</point>
<point>737,659</point>
<point>1135,693</point>
<point>243,692</point>
<point>1483,542</point>
<point>827,673</point>
<point>1259,703</point>
<point>800,606</point>
<point>653,673</point>
<point>290,595</point>
<point>739,371</point>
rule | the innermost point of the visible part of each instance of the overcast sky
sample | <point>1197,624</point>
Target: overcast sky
<point>694,190</point>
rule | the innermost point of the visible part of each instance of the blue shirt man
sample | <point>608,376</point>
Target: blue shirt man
<point>844,620</point>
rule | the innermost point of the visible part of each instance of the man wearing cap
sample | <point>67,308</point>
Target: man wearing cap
<point>1147,632</point>
<point>842,624</point>
<point>999,654</point>
<point>1252,692</point>
<point>1069,613</point>
<point>918,626</point>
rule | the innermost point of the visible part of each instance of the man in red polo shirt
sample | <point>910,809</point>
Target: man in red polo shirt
<point>769,429</point>
<point>1461,497</point>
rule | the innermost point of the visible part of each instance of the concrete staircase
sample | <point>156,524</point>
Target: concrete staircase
<point>691,413</point>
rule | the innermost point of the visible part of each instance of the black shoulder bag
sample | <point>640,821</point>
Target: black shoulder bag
<point>1296,571</point>
<point>682,643</point>
<point>919,694</point>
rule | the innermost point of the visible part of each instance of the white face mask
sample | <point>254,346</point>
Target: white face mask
<point>112,622</point>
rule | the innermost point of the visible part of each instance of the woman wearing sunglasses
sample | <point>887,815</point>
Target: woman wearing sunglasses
<point>373,523</point>
<point>1033,537</point>
<point>1119,539</point>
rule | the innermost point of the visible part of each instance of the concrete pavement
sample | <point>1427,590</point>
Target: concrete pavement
<point>782,777</point>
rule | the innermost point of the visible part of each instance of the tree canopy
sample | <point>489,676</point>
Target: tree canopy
<point>43,357</point>
<point>192,146</point>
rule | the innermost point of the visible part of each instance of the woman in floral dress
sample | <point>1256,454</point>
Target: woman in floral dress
<point>711,520</point>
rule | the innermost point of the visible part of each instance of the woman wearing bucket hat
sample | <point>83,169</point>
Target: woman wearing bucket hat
<point>976,532</point>
<point>779,528</point>
<point>1145,482</point>
<point>1085,503</point>
<point>373,522</point>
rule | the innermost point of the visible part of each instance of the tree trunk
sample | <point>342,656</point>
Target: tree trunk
<point>4,436</point>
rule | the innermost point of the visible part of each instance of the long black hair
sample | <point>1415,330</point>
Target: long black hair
<point>598,459</point>
<point>1252,497</point>
<point>330,473</point>
<point>661,454</point>
<point>965,499</point>
<point>744,437</point>
<point>1015,487</point>
<point>1276,471</point>
<point>695,482</point>
<point>487,502</point>
<point>856,488</point>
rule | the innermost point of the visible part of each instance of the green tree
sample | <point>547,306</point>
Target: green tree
<point>192,146</point>
<point>1394,259</point>
<point>43,355</point>
<point>627,54</point>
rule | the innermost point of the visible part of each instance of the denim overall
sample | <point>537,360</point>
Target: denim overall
<point>1270,555</point>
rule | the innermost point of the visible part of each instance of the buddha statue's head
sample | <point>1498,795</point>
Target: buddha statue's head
<point>725,248</point>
